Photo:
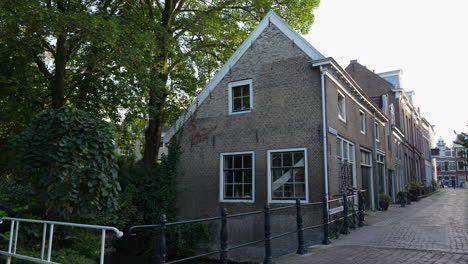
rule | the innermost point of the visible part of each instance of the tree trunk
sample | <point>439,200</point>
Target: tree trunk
<point>156,105</point>
<point>58,81</point>
<point>158,94</point>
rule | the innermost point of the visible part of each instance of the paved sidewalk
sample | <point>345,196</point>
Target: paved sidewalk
<point>433,230</point>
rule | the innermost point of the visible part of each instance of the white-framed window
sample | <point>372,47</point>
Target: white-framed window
<point>240,97</point>
<point>287,175</point>
<point>461,165</point>
<point>346,156</point>
<point>366,158</point>
<point>377,131</point>
<point>237,177</point>
<point>362,117</point>
<point>380,159</point>
<point>345,150</point>
<point>341,107</point>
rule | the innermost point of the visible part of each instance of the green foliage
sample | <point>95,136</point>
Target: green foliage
<point>68,158</point>
<point>149,192</point>
<point>385,198</point>
<point>415,191</point>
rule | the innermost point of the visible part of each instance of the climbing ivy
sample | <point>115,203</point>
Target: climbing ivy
<point>67,156</point>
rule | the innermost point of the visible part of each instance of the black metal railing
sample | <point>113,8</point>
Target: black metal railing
<point>224,247</point>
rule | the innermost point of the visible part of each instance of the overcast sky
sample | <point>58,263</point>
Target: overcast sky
<point>427,39</point>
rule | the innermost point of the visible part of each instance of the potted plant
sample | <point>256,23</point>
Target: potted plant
<point>384,201</point>
<point>414,191</point>
<point>402,198</point>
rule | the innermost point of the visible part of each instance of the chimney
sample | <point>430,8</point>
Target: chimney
<point>353,61</point>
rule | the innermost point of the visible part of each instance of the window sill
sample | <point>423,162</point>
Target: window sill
<point>240,112</point>
<point>237,201</point>
<point>286,201</point>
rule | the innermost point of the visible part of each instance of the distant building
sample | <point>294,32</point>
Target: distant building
<point>410,136</point>
<point>451,169</point>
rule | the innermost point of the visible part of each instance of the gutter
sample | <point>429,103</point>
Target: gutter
<point>324,135</point>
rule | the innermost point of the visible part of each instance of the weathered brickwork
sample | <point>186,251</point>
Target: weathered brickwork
<point>286,114</point>
<point>349,130</point>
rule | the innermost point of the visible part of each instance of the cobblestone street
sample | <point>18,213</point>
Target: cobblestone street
<point>433,230</point>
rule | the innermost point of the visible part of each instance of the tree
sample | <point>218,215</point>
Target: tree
<point>56,37</point>
<point>189,40</point>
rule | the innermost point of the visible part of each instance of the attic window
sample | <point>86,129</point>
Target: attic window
<point>341,107</point>
<point>240,97</point>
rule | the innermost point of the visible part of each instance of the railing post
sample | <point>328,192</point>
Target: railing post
<point>51,239</point>
<point>103,246</point>
<point>10,242</point>
<point>224,237</point>
<point>268,257</point>
<point>361,209</point>
<point>300,229</point>
<point>326,221</point>
<point>337,226</point>
<point>345,213</point>
<point>162,239</point>
<point>353,210</point>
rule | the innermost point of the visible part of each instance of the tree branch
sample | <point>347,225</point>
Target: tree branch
<point>43,68</point>
<point>48,47</point>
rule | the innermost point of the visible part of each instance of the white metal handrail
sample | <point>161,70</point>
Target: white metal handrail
<point>13,241</point>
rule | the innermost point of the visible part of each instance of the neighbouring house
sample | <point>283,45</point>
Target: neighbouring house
<point>410,136</point>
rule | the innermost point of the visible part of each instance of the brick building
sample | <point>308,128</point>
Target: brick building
<point>410,136</point>
<point>451,163</point>
<point>281,122</point>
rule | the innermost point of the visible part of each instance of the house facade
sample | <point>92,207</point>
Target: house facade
<point>410,136</point>
<point>281,122</point>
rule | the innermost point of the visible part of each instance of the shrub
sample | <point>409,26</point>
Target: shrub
<point>385,198</point>
<point>414,191</point>
<point>68,158</point>
<point>147,193</point>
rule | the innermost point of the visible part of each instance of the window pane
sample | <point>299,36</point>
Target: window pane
<point>247,176</point>
<point>338,148</point>
<point>276,159</point>
<point>345,150</point>
<point>245,90</point>
<point>247,161</point>
<point>228,191</point>
<point>246,103</point>
<point>228,162</point>
<point>287,174</point>
<point>228,177</point>
<point>277,173</point>
<point>287,159</point>
<point>299,175</point>
<point>299,158</point>
<point>237,176</point>
<point>238,162</point>
<point>288,190</point>
<point>237,104</point>
<point>248,190</point>
<point>238,190</point>
<point>237,91</point>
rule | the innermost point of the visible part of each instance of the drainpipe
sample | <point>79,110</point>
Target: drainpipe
<point>324,135</point>
<point>374,169</point>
